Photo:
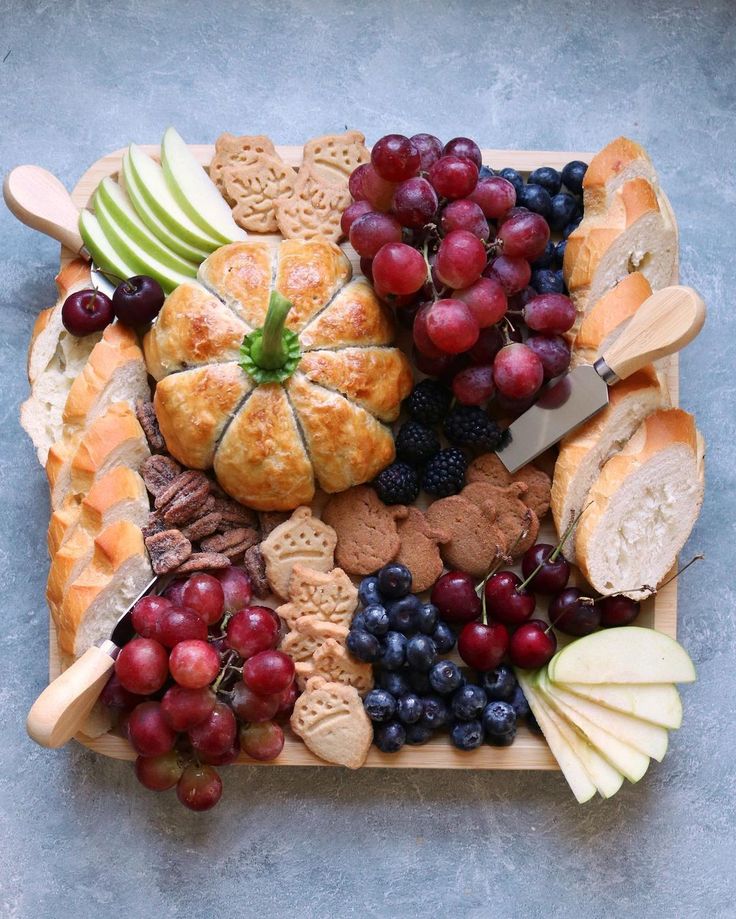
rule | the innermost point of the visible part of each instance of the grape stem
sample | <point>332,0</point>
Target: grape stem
<point>425,253</point>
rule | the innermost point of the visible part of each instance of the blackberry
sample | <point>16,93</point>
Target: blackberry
<point>470,426</point>
<point>397,484</point>
<point>445,473</point>
<point>416,443</point>
<point>429,401</point>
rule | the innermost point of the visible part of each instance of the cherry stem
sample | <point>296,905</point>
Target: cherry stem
<point>554,554</point>
<point>653,590</point>
<point>116,277</point>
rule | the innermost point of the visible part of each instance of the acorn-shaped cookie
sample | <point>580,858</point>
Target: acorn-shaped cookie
<point>330,719</point>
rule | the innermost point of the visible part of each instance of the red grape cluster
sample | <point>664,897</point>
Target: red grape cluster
<point>205,662</point>
<point>442,238</point>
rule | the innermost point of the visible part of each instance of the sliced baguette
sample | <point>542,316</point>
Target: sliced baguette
<point>643,506</point>
<point>584,451</point>
<point>618,162</point>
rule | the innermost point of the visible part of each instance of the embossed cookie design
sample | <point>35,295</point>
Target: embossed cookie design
<point>330,719</point>
<point>330,596</point>
<point>302,540</point>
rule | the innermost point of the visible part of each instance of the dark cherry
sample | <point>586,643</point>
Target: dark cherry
<point>455,597</point>
<point>532,645</point>
<point>552,577</point>
<point>482,647</point>
<point>505,602</point>
<point>87,311</point>
<point>138,300</point>
<point>618,610</point>
<point>568,613</point>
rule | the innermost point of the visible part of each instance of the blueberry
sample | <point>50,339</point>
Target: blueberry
<point>499,719</point>
<point>389,738</point>
<point>546,281</point>
<point>547,177</point>
<point>485,172</point>
<point>443,638</point>
<point>466,735</point>
<point>368,592</point>
<point>379,705</point>
<point>394,580</point>
<point>560,253</point>
<point>375,619</point>
<point>421,653</point>
<point>419,682</point>
<point>546,259</point>
<point>499,684</point>
<point>503,740</point>
<point>570,227</point>
<point>468,702</point>
<point>445,677</point>
<point>436,713</point>
<point>428,618</point>
<point>393,682</point>
<point>519,704</point>
<point>403,614</point>
<point>511,175</point>
<point>573,174</point>
<point>536,199</point>
<point>363,645</point>
<point>565,209</point>
<point>417,734</point>
<point>358,621</point>
<point>410,708</point>
<point>394,651</point>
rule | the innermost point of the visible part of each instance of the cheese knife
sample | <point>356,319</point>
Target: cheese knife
<point>663,324</point>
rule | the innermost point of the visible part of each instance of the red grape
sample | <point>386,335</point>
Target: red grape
<point>148,731</point>
<point>203,593</point>
<point>517,371</point>
<point>116,697</point>
<point>288,698</point>
<point>268,672</point>
<point>422,341</point>
<point>142,666</point>
<point>451,326</point>
<point>355,182</point>
<point>512,212</point>
<point>429,148</point>
<point>415,202</point>
<point>520,299</point>
<point>377,191</point>
<point>464,214</point>
<point>216,733</point>
<point>399,269</point>
<point>455,597</point>
<point>461,258</point>
<point>262,741</point>
<point>371,231</point>
<point>553,351</point>
<point>236,587</point>
<point>435,366</point>
<point>513,274</point>
<point>465,147</point>
<point>146,614</point>
<point>482,647</point>
<point>199,788</point>
<point>184,708</point>
<point>351,214</point>
<point>249,706</point>
<point>158,773</point>
<point>551,314</point>
<point>194,664</point>
<point>532,645</point>
<point>524,236</point>
<point>473,385</point>
<point>486,300</point>
<point>366,267</point>
<point>179,624</point>
<point>490,341</point>
<point>175,591</point>
<point>453,176</point>
<point>86,311</point>
<point>395,158</point>
<point>221,759</point>
<point>251,630</point>
<point>495,195</point>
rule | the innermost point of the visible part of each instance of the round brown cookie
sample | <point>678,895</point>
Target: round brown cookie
<point>419,549</point>
<point>489,468</point>
<point>518,523</point>
<point>474,537</point>
<point>367,535</point>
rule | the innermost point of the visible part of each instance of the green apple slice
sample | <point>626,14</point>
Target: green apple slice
<point>572,768</point>
<point>112,198</point>
<point>658,703</point>
<point>647,738</point>
<point>631,763</point>
<point>622,655</point>
<point>148,216</point>
<point>195,191</point>
<point>150,178</point>
<point>103,252</point>
<point>142,260</point>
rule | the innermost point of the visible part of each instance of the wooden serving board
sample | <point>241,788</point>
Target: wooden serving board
<point>529,751</point>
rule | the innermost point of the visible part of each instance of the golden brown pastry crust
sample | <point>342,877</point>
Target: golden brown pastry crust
<point>355,317</point>
<point>309,274</point>
<point>240,274</point>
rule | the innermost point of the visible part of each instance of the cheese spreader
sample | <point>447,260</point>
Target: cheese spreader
<point>663,324</point>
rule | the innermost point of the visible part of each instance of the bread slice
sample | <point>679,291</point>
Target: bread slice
<point>618,162</point>
<point>643,506</point>
<point>584,451</point>
<point>117,572</point>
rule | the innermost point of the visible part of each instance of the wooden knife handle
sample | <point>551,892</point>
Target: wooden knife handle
<point>663,324</point>
<point>61,709</point>
<point>39,200</point>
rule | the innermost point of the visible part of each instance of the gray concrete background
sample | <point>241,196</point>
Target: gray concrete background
<point>79,837</point>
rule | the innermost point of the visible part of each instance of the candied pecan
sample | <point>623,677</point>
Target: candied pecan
<point>271,519</point>
<point>203,561</point>
<point>155,524</point>
<point>168,550</point>
<point>184,482</point>
<point>147,419</point>
<point>202,526</point>
<point>255,568</point>
<point>185,498</point>
<point>231,543</point>
<point>234,514</point>
<point>158,472</point>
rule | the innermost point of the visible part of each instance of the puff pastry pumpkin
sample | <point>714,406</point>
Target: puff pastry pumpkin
<point>275,370</point>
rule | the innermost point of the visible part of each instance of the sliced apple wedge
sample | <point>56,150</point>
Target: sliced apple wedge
<point>647,738</point>
<point>152,183</point>
<point>151,220</point>
<point>631,763</point>
<point>623,655</point>
<point>103,252</point>
<point>658,703</point>
<point>572,767</point>
<point>195,191</point>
